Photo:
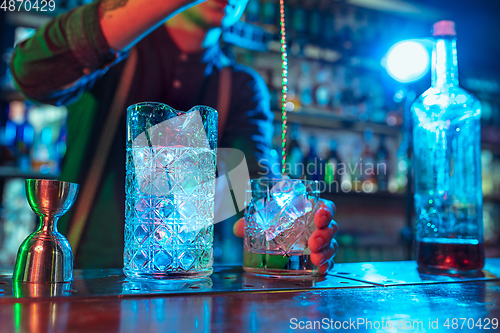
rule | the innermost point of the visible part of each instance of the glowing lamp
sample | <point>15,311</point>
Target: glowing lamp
<point>407,61</point>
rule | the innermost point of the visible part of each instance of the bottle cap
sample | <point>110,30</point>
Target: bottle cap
<point>444,28</point>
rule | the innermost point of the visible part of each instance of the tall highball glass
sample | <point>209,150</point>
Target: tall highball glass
<point>170,188</point>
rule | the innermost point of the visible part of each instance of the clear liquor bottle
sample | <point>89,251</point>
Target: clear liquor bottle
<point>447,157</point>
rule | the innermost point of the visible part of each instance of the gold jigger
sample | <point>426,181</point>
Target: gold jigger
<point>46,255</point>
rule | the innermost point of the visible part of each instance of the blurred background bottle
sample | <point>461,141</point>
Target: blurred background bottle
<point>313,164</point>
<point>354,169</point>
<point>332,165</point>
<point>295,156</point>
<point>368,167</point>
<point>252,12</point>
<point>383,165</point>
<point>19,135</point>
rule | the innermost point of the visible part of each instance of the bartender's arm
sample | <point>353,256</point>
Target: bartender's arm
<point>66,55</point>
<point>124,22</point>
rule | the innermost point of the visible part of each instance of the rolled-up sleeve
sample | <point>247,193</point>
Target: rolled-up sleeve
<point>62,57</point>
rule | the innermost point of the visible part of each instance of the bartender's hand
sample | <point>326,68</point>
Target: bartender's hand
<point>322,243</point>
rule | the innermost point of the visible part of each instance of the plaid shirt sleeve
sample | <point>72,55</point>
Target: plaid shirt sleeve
<point>63,57</point>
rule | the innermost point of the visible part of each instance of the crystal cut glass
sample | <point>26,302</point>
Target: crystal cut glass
<point>170,188</point>
<point>279,219</point>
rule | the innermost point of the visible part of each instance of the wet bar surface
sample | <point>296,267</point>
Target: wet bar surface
<point>359,296</point>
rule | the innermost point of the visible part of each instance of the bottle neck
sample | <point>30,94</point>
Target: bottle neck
<point>444,63</point>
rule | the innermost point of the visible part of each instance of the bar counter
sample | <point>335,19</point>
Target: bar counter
<point>365,297</point>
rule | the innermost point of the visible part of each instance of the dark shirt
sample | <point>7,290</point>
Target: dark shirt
<point>73,44</point>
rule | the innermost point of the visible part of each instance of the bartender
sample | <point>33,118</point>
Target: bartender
<point>113,53</point>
